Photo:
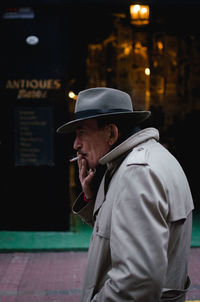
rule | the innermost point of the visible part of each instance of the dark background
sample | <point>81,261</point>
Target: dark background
<point>37,197</point>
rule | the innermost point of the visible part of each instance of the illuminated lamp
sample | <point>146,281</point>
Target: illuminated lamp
<point>139,14</point>
<point>72,95</point>
<point>32,40</point>
<point>147,71</point>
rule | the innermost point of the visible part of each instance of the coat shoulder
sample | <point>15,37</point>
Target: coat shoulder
<point>138,156</point>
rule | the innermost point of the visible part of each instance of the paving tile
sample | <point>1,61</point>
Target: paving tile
<point>36,277</point>
<point>58,276</point>
<point>194,272</point>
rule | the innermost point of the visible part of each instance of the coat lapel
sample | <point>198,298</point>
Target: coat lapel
<point>101,195</point>
<point>103,188</point>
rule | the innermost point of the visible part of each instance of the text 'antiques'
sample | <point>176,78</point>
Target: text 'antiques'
<point>33,88</point>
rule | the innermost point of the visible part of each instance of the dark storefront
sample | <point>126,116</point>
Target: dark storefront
<point>51,47</point>
<point>34,166</point>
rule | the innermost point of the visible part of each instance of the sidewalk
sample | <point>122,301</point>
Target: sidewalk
<point>41,277</point>
<point>57,277</point>
<point>49,266</point>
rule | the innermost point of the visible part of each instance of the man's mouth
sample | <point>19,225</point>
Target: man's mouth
<point>82,154</point>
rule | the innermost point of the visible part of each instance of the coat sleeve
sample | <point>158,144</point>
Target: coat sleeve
<point>84,210</point>
<point>138,239</point>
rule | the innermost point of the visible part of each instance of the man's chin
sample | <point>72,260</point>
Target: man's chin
<point>92,166</point>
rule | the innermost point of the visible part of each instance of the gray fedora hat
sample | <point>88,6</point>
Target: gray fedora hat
<point>103,102</point>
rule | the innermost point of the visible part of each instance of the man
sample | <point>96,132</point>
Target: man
<point>141,211</point>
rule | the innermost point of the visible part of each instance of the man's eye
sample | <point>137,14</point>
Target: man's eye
<point>81,132</point>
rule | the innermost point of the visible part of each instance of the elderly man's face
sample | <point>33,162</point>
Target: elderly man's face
<point>92,142</point>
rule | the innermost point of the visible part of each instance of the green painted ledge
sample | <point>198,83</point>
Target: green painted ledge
<point>11,241</point>
<point>195,241</point>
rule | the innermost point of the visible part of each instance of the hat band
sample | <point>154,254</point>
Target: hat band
<point>88,113</point>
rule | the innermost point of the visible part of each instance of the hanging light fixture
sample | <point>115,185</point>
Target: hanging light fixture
<point>139,14</point>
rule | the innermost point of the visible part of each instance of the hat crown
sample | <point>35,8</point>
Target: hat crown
<point>103,102</point>
<point>103,98</point>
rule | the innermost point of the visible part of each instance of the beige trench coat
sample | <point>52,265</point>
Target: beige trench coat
<point>141,228</point>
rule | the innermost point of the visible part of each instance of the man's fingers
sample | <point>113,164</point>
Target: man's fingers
<point>85,177</point>
<point>83,168</point>
<point>89,177</point>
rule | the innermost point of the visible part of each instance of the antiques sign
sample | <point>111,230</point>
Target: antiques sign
<point>33,88</point>
<point>33,138</point>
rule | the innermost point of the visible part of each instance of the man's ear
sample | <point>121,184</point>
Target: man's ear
<point>112,133</point>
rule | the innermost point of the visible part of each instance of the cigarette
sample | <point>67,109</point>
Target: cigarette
<point>73,159</point>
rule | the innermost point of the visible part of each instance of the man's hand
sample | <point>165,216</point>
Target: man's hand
<point>86,177</point>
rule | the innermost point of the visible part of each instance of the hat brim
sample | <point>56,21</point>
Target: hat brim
<point>136,116</point>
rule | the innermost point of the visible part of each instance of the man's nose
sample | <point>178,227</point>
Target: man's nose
<point>77,143</point>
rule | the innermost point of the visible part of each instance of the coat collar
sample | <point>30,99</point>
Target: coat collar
<point>139,137</point>
<point>114,158</point>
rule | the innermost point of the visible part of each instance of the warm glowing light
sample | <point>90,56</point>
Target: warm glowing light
<point>143,10</point>
<point>160,45</point>
<point>147,71</point>
<point>127,49</point>
<point>139,14</point>
<point>72,95</point>
<point>135,8</point>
